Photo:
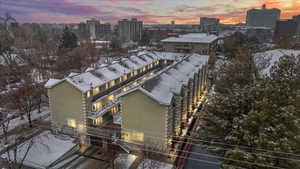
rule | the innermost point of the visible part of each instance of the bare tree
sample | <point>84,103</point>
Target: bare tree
<point>26,98</point>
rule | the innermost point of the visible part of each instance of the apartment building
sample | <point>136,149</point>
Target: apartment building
<point>200,43</point>
<point>161,108</point>
<point>130,30</point>
<point>263,17</point>
<point>209,24</point>
<point>93,30</point>
<point>82,102</point>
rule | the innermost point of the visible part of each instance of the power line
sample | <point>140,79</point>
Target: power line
<point>219,143</point>
<point>223,149</point>
<point>245,162</point>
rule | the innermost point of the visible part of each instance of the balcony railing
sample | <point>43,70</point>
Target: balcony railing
<point>107,107</point>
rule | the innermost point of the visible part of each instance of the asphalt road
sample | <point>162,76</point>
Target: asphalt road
<point>204,163</point>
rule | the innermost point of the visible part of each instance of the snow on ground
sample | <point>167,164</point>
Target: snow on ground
<point>124,161</point>
<point>265,60</point>
<point>18,122</point>
<point>86,163</point>
<point>148,164</point>
<point>44,149</point>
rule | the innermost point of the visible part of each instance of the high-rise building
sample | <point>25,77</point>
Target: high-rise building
<point>263,17</point>
<point>209,24</point>
<point>93,26</point>
<point>93,30</point>
<point>130,30</point>
<point>285,29</point>
<point>297,19</point>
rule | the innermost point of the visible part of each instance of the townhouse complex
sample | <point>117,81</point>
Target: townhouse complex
<point>166,104</point>
<point>124,100</point>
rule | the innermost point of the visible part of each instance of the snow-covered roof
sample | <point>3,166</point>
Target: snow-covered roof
<point>192,38</point>
<point>44,150</point>
<point>265,60</point>
<point>163,86</point>
<point>149,164</point>
<point>52,82</point>
<point>96,77</point>
<point>7,59</point>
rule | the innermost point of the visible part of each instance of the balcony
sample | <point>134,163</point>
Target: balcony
<point>106,108</point>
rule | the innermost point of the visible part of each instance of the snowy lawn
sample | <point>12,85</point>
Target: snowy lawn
<point>18,122</point>
<point>44,149</point>
<point>148,164</point>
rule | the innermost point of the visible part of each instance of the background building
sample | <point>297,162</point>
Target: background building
<point>209,24</point>
<point>297,19</point>
<point>93,30</point>
<point>286,29</point>
<point>130,30</point>
<point>263,17</point>
<point>201,43</point>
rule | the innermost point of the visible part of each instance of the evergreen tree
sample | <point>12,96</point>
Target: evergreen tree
<point>145,39</point>
<point>236,41</point>
<point>115,43</point>
<point>256,113</point>
<point>68,40</point>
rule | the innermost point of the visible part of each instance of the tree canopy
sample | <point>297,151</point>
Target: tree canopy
<point>68,40</point>
<point>257,113</point>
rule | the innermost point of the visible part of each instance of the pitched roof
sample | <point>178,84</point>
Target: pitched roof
<point>93,78</point>
<point>163,86</point>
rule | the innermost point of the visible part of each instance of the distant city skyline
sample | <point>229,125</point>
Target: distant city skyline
<point>150,11</point>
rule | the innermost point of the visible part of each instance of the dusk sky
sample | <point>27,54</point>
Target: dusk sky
<point>150,11</point>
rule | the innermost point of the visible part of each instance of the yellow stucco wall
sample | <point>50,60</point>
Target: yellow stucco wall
<point>142,114</point>
<point>66,103</point>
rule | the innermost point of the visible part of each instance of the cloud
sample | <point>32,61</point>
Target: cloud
<point>150,11</point>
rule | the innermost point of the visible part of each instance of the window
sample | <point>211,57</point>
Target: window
<point>124,77</point>
<point>184,117</point>
<point>97,106</point>
<point>112,83</point>
<point>96,91</point>
<point>114,110</point>
<point>102,88</point>
<point>125,89</point>
<point>137,136</point>
<point>98,121</point>
<point>81,128</point>
<point>71,123</point>
<point>111,97</point>
<point>88,94</point>
<point>134,136</point>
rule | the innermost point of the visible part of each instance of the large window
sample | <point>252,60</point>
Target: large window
<point>88,94</point>
<point>111,97</point>
<point>134,136</point>
<point>98,121</point>
<point>124,77</point>
<point>97,106</point>
<point>112,83</point>
<point>96,91</point>
<point>71,123</point>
